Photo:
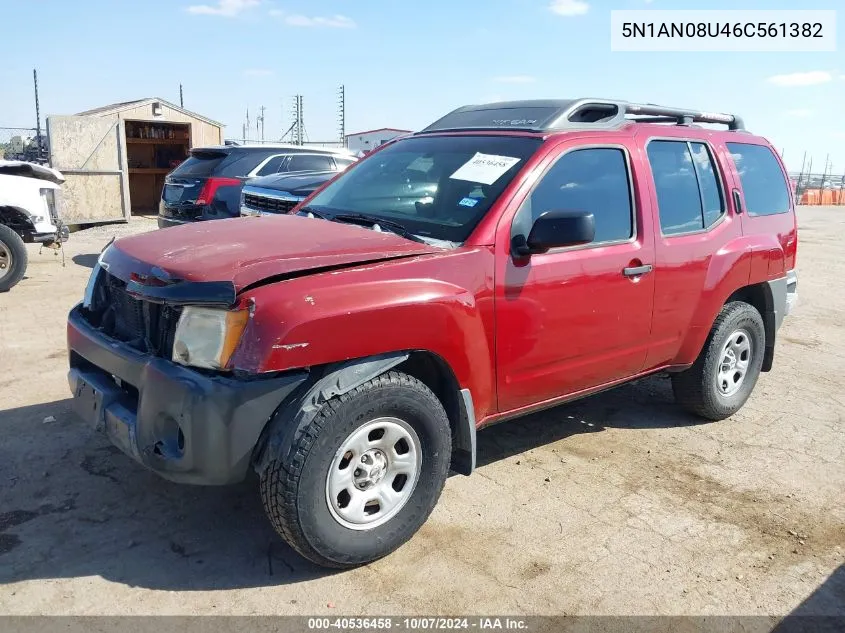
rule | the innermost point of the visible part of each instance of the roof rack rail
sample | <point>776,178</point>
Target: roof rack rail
<point>685,117</point>
<point>547,115</point>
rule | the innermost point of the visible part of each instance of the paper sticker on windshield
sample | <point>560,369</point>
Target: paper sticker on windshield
<point>468,202</point>
<point>484,168</point>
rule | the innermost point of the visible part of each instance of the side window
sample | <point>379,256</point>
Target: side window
<point>688,194</point>
<point>762,179</point>
<point>305,162</point>
<point>343,163</point>
<point>593,180</point>
<point>272,166</point>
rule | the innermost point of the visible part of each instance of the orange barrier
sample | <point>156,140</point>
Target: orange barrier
<point>823,197</point>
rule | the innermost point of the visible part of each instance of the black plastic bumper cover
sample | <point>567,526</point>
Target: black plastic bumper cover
<point>186,426</point>
<point>166,222</point>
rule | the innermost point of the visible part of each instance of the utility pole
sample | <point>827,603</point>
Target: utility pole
<point>298,124</point>
<point>803,164</point>
<point>260,121</point>
<point>342,114</point>
<point>181,98</point>
<point>300,128</point>
<point>37,114</point>
<point>294,114</point>
<point>826,166</point>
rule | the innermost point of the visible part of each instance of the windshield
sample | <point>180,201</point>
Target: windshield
<point>436,187</point>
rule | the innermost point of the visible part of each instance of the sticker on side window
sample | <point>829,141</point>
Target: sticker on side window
<point>484,168</point>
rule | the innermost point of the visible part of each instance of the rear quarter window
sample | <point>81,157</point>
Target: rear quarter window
<point>199,165</point>
<point>763,182</point>
<point>241,163</point>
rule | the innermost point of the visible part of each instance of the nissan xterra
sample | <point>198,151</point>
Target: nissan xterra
<point>506,259</point>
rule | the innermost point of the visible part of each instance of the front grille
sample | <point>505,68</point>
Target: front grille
<point>145,326</point>
<point>271,205</point>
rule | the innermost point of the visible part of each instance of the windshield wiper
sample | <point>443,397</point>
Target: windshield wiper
<point>393,227</point>
<point>314,212</point>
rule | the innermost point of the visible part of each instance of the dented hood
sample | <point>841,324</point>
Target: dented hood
<point>246,251</point>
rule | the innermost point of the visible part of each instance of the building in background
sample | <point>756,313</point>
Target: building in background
<point>115,157</point>
<point>365,142</point>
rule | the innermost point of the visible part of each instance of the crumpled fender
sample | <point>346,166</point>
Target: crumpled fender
<point>314,321</point>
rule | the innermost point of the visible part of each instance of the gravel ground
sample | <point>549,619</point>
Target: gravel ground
<point>618,504</point>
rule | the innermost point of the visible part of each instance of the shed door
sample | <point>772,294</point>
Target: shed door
<point>89,152</point>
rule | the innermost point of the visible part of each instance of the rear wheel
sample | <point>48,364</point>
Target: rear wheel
<point>724,374</point>
<point>13,258</point>
<point>366,473</point>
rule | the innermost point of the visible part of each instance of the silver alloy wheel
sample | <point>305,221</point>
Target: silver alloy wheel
<point>373,473</point>
<point>734,362</point>
<point>5,260</point>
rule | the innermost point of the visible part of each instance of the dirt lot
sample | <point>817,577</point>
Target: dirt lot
<point>619,504</point>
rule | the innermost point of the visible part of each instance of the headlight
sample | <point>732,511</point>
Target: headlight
<point>88,297</point>
<point>207,337</point>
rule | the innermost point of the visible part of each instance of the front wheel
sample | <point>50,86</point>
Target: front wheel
<point>725,372</point>
<point>13,258</point>
<point>367,473</point>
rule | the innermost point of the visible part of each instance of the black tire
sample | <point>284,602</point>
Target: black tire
<point>697,389</point>
<point>13,245</point>
<point>295,497</point>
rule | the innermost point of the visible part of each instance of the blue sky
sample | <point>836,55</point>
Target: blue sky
<point>404,63</point>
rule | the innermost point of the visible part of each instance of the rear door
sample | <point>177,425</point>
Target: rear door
<point>693,224</point>
<point>87,150</point>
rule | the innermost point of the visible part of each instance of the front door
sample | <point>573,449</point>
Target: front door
<point>579,317</point>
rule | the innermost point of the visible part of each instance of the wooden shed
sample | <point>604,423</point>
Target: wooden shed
<point>115,157</point>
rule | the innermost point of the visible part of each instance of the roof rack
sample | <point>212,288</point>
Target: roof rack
<point>546,115</point>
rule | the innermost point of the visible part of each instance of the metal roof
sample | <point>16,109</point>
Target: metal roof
<point>128,105</point>
<point>549,115</point>
<point>380,129</point>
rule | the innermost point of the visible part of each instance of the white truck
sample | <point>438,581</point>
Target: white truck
<point>28,214</point>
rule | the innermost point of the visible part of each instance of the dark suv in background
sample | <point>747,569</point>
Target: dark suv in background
<point>207,186</point>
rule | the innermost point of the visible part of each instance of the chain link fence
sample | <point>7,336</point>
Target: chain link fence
<point>23,143</point>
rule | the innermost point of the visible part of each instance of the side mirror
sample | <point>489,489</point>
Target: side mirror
<point>554,229</point>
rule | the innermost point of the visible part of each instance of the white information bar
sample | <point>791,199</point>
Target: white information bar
<point>714,31</point>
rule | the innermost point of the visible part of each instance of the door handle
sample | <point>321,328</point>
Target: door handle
<point>636,271</point>
<point>737,202</point>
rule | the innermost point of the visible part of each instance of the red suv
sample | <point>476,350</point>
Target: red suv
<point>506,259</point>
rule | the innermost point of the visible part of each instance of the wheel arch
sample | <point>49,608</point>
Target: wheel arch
<point>761,297</point>
<point>16,219</point>
<point>325,382</point>
<point>436,374</point>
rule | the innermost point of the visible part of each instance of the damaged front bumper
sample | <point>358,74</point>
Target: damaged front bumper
<point>187,426</point>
